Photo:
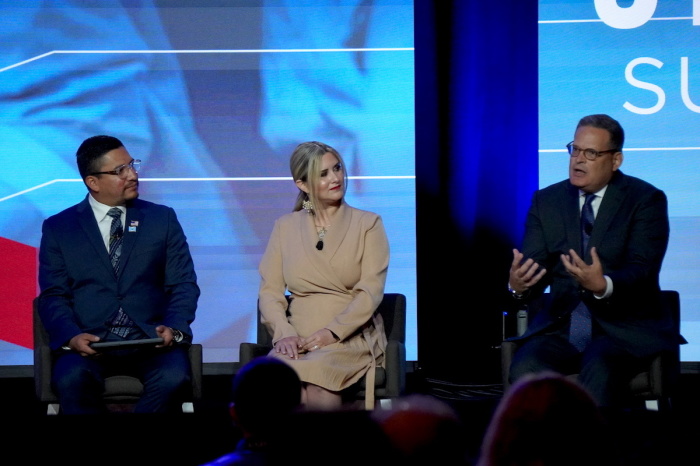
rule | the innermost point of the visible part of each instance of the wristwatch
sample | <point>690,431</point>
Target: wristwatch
<point>177,335</point>
<point>514,293</point>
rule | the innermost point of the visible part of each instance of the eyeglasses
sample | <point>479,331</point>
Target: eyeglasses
<point>122,171</point>
<point>590,154</point>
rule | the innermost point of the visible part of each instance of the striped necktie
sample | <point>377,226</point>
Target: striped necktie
<point>121,323</point>
<point>116,232</point>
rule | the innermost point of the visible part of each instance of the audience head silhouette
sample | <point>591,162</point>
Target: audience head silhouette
<point>547,419</point>
<point>425,429</point>
<point>342,437</point>
<point>264,391</point>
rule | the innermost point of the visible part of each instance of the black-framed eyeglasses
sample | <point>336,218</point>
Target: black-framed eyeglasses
<point>590,154</point>
<point>122,171</point>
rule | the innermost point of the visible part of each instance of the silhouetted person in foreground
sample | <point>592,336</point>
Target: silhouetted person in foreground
<point>265,391</point>
<point>547,419</point>
<point>343,437</point>
<point>424,430</point>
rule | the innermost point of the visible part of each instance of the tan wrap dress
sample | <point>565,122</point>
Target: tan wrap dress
<point>338,288</point>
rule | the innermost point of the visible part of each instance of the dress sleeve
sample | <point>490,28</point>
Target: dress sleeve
<point>271,295</point>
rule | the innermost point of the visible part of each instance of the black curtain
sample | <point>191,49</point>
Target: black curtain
<point>476,169</point>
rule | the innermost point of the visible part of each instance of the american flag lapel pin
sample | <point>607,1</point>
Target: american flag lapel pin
<point>133,225</point>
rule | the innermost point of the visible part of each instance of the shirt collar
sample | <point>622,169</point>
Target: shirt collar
<point>599,193</point>
<point>99,209</point>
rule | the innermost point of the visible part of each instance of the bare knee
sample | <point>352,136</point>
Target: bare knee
<point>319,399</point>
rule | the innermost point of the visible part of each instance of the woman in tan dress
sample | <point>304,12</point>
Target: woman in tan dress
<point>332,259</point>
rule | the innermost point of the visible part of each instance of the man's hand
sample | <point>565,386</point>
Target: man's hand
<point>81,344</point>
<point>589,276</point>
<point>524,275</point>
<point>166,334</point>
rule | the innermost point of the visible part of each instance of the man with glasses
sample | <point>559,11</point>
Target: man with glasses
<point>115,268</point>
<point>597,240</point>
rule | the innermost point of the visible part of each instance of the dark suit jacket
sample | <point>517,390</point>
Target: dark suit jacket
<point>630,234</point>
<point>156,283</point>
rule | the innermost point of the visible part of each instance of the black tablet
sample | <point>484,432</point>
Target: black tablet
<point>123,344</point>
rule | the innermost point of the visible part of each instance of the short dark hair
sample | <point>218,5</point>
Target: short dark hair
<point>265,390</point>
<point>606,122</point>
<point>91,150</point>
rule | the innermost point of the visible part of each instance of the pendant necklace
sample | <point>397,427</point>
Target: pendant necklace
<point>321,234</point>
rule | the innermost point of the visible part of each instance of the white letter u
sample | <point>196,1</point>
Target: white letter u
<point>631,17</point>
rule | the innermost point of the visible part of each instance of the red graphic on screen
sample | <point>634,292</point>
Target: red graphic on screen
<point>18,287</point>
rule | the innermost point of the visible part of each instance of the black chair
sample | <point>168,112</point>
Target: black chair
<point>655,385</point>
<point>121,391</point>
<point>390,381</point>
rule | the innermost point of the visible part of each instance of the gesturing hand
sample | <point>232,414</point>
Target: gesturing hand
<point>523,275</point>
<point>588,276</point>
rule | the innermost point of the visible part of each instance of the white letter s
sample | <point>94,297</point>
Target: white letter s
<point>644,85</point>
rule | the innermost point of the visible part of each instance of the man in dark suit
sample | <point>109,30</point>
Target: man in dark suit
<point>614,279</point>
<point>145,287</point>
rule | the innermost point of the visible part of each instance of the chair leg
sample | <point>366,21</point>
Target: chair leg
<point>652,405</point>
<point>52,409</point>
<point>385,403</point>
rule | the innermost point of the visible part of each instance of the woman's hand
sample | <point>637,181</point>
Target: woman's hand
<point>289,346</point>
<point>317,340</point>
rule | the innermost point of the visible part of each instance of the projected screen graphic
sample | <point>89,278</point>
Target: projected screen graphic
<point>212,99</point>
<point>639,62</point>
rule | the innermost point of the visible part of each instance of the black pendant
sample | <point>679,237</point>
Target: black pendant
<point>319,245</point>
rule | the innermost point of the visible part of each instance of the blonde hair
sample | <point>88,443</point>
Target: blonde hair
<point>305,165</point>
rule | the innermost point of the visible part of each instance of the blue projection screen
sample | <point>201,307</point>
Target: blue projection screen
<point>639,62</point>
<point>212,96</point>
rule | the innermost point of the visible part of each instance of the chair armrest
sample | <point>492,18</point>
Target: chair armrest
<point>395,362</point>
<point>248,351</point>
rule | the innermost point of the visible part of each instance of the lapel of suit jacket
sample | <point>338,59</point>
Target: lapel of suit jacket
<point>86,219</point>
<point>609,206</point>
<point>132,229</point>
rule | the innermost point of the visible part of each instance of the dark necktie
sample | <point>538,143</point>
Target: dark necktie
<point>587,218</point>
<point>580,329</point>
<point>116,232</point>
<point>121,324</point>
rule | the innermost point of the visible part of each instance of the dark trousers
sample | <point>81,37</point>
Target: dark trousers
<point>165,373</point>
<point>605,369</point>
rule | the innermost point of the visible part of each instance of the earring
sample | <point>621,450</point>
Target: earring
<point>307,206</point>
